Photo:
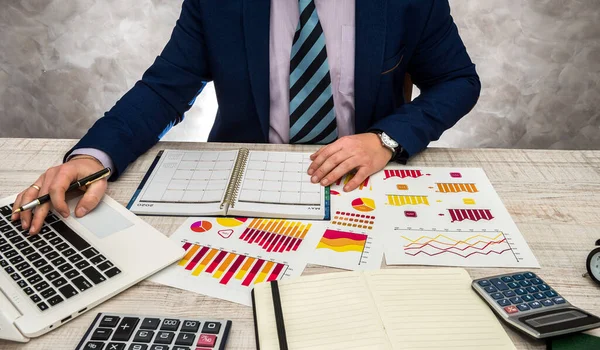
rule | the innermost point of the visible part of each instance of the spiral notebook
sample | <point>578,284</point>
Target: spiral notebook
<point>231,183</point>
<point>380,309</point>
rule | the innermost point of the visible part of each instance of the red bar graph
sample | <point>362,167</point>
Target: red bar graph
<point>228,267</point>
<point>470,214</point>
<point>403,173</point>
<point>276,235</point>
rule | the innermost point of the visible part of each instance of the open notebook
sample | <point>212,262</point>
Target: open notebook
<point>235,183</point>
<point>381,309</point>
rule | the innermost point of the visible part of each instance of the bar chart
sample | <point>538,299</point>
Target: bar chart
<point>398,200</point>
<point>226,266</point>
<point>458,215</point>
<point>403,174</point>
<point>274,235</point>
<point>457,187</point>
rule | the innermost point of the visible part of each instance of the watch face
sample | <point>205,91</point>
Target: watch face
<point>388,141</point>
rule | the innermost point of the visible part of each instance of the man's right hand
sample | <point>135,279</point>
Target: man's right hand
<point>55,181</point>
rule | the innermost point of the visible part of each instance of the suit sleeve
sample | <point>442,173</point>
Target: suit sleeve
<point>450,87</point>
<point>159,100</point>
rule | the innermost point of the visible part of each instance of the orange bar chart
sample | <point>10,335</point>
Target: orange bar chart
<point>456,187</point>
<point>225,266</point>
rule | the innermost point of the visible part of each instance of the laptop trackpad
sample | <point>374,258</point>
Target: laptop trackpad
<point>104,221</point>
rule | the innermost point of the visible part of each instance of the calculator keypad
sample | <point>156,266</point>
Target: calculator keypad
<point>520,292</point>
<point>124,332</point>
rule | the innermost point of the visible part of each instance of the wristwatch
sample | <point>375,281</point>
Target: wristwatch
<point>398,152</point>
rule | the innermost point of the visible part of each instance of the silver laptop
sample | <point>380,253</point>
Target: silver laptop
<point>74,264</point>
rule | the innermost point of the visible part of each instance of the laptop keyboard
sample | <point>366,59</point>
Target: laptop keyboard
<point>52,266</point>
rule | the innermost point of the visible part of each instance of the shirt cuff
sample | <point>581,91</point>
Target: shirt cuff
<point>101,156</point>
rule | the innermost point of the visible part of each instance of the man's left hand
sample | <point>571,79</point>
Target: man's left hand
<point>363,153</point>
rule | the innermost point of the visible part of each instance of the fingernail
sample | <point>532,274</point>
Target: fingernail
<point>314,179</point>
<point>65,214</point>
<point>324,182</point>
<point>24,224</point>
<point>32,228</point>
<point>13,217</point>
<point>310,171</point>
<point>81,211</point>
<point>346,188</point>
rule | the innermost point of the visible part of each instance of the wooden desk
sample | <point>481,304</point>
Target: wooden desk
<point>552,195</point>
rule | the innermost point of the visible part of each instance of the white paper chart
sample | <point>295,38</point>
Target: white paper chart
<point>226,257</point>
<point>449,217</point>
<point>351,239</point>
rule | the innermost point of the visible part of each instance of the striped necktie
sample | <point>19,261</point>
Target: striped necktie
<point>312,116</point>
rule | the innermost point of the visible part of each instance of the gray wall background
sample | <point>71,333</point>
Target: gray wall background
<point>64,62</point>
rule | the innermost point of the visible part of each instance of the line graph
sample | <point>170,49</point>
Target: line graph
<point>461,244</point>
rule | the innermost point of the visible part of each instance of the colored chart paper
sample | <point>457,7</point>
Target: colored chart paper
<point>227,259</point>
<point>447,216</point>
<point>351,239</point>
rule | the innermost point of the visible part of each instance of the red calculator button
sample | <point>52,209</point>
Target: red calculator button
<point>207,340</point>
<point>511,309</point>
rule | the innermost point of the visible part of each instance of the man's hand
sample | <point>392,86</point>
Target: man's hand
<point>55,181</point>
<point>363,153</point>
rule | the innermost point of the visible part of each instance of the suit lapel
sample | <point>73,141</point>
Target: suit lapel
<point>370,46</point>
<point>256,19</point>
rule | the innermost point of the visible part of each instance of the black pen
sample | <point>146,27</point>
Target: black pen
<point>77,184</point>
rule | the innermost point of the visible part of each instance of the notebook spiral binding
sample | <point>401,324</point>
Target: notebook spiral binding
<point>233,187</point>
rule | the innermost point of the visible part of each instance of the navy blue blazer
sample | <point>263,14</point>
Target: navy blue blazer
<point>227,42</point>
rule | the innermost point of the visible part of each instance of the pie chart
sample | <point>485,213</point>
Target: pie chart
<point>363,204</point>
<point>231,222</point>
<point>201,226</point>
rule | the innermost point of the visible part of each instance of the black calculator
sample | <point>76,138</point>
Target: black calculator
<point>529,304</point>
<point>131,332</point>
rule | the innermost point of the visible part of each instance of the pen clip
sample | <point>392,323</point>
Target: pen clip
<point>98,179</point>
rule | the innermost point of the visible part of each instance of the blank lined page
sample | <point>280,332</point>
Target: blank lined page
<point>434,309</point>
<point>330,311</point>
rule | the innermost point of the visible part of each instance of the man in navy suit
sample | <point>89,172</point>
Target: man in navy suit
<point>288,71</point>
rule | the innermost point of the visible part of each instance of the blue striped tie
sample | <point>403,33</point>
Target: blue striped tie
<point>312,116</point>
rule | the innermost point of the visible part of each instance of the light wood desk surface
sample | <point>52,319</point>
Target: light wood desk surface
<point>552,196</point>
